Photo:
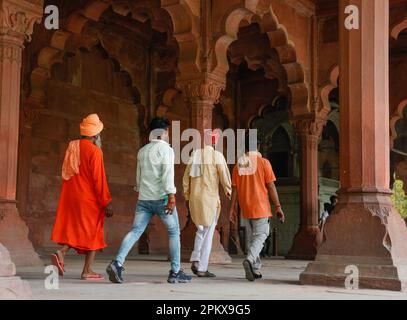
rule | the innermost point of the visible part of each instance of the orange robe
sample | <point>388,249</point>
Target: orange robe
<point>80,215</point>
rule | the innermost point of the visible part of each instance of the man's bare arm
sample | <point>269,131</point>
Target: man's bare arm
<point>232,210</point>
<point>276,201</point>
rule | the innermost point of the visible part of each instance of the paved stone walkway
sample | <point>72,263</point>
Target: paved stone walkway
<point>146,279</point>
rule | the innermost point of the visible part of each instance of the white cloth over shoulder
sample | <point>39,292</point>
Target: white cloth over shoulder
<point>196,165</point>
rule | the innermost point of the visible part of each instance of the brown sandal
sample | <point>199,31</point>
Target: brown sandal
<point>57,263</point>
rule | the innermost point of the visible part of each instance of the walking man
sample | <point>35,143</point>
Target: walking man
<point>252,185</point>
<point>206,169</point>
<point>156,195</point>
<point>84,201</point>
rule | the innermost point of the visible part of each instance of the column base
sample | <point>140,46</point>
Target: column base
<point>218,253</point>
<point>306,244</point>
<point>367,232</point>
<point>11,287</point>
<point>14,235</point>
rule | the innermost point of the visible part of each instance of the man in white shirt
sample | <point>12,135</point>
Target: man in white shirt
<point>156,195</point>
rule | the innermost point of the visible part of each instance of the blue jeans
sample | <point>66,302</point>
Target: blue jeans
<point>144,212</point>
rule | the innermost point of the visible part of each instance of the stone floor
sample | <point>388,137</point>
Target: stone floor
<point>146,279</point>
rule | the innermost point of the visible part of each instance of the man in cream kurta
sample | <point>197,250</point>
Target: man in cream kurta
<point>206,169</point>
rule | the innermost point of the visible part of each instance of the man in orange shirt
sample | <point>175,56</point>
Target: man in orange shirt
<point>84,201</point>
<point>253,182</point>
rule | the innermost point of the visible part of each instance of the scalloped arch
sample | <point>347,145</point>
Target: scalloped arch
<point>178,24</point>
<point>331,84</point>
<point>398,27</point>
<point>261,12</point>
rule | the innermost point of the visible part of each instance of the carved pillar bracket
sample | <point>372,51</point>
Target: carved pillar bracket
<point>203,89</point>
<point>202,94</point>
<point>307,240</point>
<point>17,20</point>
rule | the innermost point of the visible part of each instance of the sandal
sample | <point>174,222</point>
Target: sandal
<point>93,277</point>
<point>57,263</point>
<point>206,274</point>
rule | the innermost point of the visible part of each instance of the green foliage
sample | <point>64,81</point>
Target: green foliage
<point>399,198</point>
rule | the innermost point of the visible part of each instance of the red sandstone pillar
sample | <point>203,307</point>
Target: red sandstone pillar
<point>365,230</point>
<point>202,94</point>
<point>305,243</point>
<point>31,113</point>
<point>17,21</point>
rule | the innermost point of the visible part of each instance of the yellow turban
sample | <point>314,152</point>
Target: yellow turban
<point>91,126</point>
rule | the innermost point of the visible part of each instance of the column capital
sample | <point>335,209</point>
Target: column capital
<point>207,87</point>
<point>17,18</point>
<point>309,127</point>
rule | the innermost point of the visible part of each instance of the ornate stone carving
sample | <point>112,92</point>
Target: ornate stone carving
<point>205,90</point>
<point>380,211</point>
<point>383,212</point>
<point>18,18</point>
<point>10,52</point>
<point>309,127</point>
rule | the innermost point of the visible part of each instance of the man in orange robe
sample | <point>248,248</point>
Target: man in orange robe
<point>84,201</point>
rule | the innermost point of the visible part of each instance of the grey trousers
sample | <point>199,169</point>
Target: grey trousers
<point>257,231</point>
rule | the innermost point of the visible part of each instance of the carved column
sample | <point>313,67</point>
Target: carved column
<point>30,114</point>
<point>202,95</point>
<point>306,240</point>
<point>364,230</point>
<point>17,21</point>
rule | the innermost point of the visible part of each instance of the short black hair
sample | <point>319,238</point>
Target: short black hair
<point>327,207</point>
<point>333,198</point>
<point>251,142</point>
<point>159,123</point>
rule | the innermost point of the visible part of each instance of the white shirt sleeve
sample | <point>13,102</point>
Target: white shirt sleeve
<point>168,173</point>
<point>137,186</point>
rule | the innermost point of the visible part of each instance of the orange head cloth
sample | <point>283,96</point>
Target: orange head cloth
<point>91,126</point>
<point>211,137</point>
<point>71,164</point>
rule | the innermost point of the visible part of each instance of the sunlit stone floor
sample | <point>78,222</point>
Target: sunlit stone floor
<point>146,279</point>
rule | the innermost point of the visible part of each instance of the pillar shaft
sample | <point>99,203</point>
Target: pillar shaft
<point>201,114</point>
<point>10,68</point>
<point>364,230</point>
<point>305,243</point>
<point>364,96</point>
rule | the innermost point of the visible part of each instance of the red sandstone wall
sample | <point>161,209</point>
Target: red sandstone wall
<point>85,83</point>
